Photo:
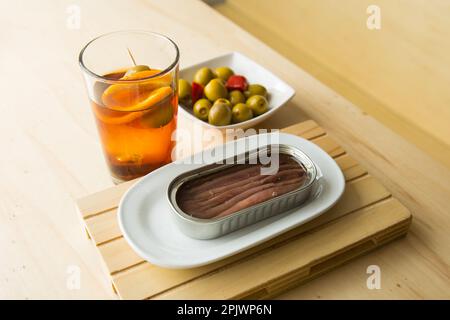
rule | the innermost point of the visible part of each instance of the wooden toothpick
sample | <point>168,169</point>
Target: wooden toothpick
<point>131,56</point>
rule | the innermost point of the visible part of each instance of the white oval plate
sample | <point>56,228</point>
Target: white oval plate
<point>279,91</point>
<point>147,223</point>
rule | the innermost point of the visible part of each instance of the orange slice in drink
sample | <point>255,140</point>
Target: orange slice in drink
<point>133,97</point>
<point>105,115</point>
<point>123,101</point>
<point>137,96</point>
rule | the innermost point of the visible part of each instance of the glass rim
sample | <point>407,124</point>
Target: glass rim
<point>107,80</point>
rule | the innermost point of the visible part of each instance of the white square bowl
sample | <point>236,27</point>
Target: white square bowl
<point>279,92</point>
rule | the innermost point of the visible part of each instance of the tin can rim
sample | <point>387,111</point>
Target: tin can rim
<point>309,166</point>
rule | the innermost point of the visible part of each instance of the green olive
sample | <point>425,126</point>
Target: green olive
<point>255,89</point>
<point>236,97</point>
<point>220,114</point>
<point>203,76</point>
<point>224,101</point>
<point>215,90</point>
<point>222,82</point>
<point>224,73</point>
<point>136,69</point>
<point>258,104</point>
<point>241,112</point>
<point>184,89</point>
<point>187,103</point>
<point>201,109</point>
<point>158,116</point>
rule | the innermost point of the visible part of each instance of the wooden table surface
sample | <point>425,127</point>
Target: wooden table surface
<point>51,154</point>
<point>399,74</point>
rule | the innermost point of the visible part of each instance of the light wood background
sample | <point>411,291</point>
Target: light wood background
<point>399,74</point>
<point>51,153</point>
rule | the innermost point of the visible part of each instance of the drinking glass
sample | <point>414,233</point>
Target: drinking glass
<point>132,83</point>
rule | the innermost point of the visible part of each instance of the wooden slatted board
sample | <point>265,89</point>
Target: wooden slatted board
<point>366,217</point>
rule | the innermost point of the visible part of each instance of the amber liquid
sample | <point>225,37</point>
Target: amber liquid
<point>136,142</point>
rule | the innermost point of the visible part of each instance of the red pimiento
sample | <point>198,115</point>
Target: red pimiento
<point>197,92</point>
<point>237,82</point>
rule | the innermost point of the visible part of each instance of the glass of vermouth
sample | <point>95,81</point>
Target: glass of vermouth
<point>132,84</point>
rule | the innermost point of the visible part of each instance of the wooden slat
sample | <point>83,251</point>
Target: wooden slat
<point>350,168</point>
<point>329,145</point>
<point>228,283</point>
<point>104,200</point>
<point>118,255</point>
<point>103,227</point>
<point>307,129</point>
